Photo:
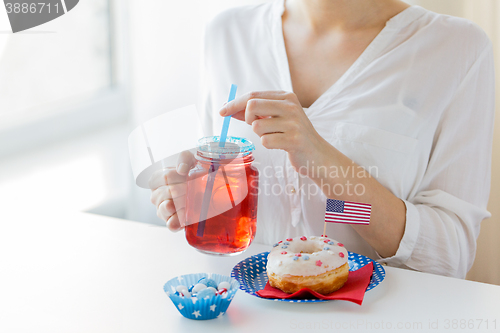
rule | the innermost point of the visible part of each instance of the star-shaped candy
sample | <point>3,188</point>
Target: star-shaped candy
<point>212,307</point>
<point>196,314</point>
<point>318,263</point>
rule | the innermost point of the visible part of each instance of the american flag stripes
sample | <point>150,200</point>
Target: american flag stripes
<point>338,211</point>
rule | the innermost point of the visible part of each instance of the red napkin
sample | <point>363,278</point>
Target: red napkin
<point>353,290</point>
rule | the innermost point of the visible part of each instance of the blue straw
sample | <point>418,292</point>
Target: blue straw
<point>227,119</point>
<point>213,171</point>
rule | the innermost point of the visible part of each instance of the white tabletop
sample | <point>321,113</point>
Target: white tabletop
<point>76,272</point>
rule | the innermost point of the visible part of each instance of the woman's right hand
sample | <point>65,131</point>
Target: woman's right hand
<point>169,191</point>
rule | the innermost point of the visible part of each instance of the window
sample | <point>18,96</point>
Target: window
<point>63,77</point>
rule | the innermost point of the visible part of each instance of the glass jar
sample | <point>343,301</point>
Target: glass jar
<point>221,199</point>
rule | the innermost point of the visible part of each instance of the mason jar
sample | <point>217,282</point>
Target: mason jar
<point>221,198</point>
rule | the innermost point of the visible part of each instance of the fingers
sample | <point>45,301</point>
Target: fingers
<point>269,125</point>
<point>171,202</point>
<point>265,108</point>
<point>169,207</point>
<point>177,221</point>
<point>185,162</point>
<point>167,192</point>
<point>165,177</point>
<point>170,175</point>
<point>277,141</point>
<point>237,107</point>
<point>169,189</point>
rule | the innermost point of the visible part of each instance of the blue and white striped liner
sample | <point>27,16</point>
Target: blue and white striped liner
<point>201,309</point>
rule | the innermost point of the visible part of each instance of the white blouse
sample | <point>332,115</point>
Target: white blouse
<point>415,109</point>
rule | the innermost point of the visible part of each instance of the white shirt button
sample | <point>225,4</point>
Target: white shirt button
<point>293,190</point>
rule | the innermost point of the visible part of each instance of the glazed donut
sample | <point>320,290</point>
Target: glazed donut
<point>317,263</point>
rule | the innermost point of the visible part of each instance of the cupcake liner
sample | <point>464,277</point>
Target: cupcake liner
<point>201,309</point>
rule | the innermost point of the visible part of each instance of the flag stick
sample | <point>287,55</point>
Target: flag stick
<point>324,230</point>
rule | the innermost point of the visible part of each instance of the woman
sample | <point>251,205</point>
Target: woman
<point>398,100</point>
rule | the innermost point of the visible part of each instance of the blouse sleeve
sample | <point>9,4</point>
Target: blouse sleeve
<point>443,217</point>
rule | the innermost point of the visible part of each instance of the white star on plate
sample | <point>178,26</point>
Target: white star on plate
<point>212,307</point>
<point>180,278</point>
<point>167,292</point>
<point>196,314</point>
<point>220,314</point>
<point>194,299</point>
<point>180,306</point>
<point>231,298</point>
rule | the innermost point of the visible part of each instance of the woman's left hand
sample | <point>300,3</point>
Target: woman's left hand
<point>279,120</point>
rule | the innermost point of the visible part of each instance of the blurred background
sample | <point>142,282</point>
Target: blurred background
<point>72,90</point>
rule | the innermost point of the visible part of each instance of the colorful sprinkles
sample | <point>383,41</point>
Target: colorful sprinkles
<point>297,256</point>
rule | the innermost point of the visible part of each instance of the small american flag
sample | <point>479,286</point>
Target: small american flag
<point>338,211</point>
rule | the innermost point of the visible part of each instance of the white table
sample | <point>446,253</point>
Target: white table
<point>76,272</point>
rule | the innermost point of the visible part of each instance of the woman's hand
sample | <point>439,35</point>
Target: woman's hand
<point>279,120</point>
<point>169,191</point>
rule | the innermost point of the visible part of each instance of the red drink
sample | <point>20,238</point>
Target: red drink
<point>227,223</point>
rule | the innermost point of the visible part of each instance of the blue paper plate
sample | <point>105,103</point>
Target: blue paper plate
<point>252,276</point>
